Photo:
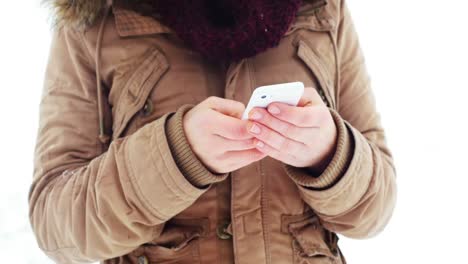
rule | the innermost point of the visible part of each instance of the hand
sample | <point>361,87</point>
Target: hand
<point>302,136</point>
<point>218,136</point>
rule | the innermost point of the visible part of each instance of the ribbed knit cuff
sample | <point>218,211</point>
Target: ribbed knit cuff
<point>187,161</point>
<point>337,166</point>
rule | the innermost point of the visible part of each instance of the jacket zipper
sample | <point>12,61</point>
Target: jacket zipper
<point>263,211</point>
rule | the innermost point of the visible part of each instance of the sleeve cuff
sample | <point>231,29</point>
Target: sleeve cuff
<point>335,169</point>
<point>187,161</point>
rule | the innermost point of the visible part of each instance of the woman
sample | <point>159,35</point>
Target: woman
<point>141,155</point>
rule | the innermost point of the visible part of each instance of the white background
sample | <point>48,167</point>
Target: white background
<point>416,53</point>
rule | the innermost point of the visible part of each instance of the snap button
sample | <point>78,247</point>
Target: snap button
<point>221,231</point>
<point>147,108</point>
<point>143,260</point>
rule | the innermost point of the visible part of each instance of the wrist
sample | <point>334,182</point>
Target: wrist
<point>188,162</point>
<point>335,169</point>
<point>319,167</point>
<point>327,155</point>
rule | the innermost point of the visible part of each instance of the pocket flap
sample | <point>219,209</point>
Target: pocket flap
<point>137,88</point>
<point>177,243</point>
<point>309,237</point>
<point>179,231</point>
<point>316,65</point>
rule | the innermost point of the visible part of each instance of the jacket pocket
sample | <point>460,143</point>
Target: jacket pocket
<point>319,68</point>
<point>311,243</point>
<point>135,88</point>
<point>178,243</point>
<point>187,251</point>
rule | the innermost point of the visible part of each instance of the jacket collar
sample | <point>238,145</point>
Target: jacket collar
<point>130,23</point>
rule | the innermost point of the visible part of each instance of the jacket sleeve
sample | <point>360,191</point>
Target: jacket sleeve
<point>356,193</point>
<point>87,204</point>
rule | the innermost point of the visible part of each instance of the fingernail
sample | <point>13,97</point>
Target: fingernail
<point>256,116</point>
<point>273,109</point>
<point>260,144</point>
<point>255,129</point>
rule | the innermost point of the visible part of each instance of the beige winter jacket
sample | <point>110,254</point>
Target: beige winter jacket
<point>115,179</point>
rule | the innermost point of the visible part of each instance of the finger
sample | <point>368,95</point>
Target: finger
<point>286,129</point>
<point>274,153</point>
<point>233,145</point>
<point>228,127</point>
<point>310,97</point>
<point>239,159</point>
<point>306,116</point>
<point>274,139</point>
<point>298,115</point>
<point>226,106</point>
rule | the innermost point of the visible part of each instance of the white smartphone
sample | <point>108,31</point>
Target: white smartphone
<point>288,93</point>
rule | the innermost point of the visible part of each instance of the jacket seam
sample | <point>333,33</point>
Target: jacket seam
<point>98,180</point>
<point>56,249</point>
<point>100,148</point>
<point>142,197</point>
<point>172,189</point>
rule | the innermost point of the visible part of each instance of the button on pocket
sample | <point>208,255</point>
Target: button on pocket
<point>147,108</point>
<point>222,231</point>
<point>143,260</point>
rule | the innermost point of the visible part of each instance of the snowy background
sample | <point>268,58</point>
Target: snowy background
<point>416,52</point>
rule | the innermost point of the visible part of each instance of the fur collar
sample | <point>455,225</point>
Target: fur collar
<point>83,13</point>
<point>76,13</point>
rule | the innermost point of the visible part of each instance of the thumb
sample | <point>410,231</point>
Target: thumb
<point>226,106</point>
<point>310,97</point>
